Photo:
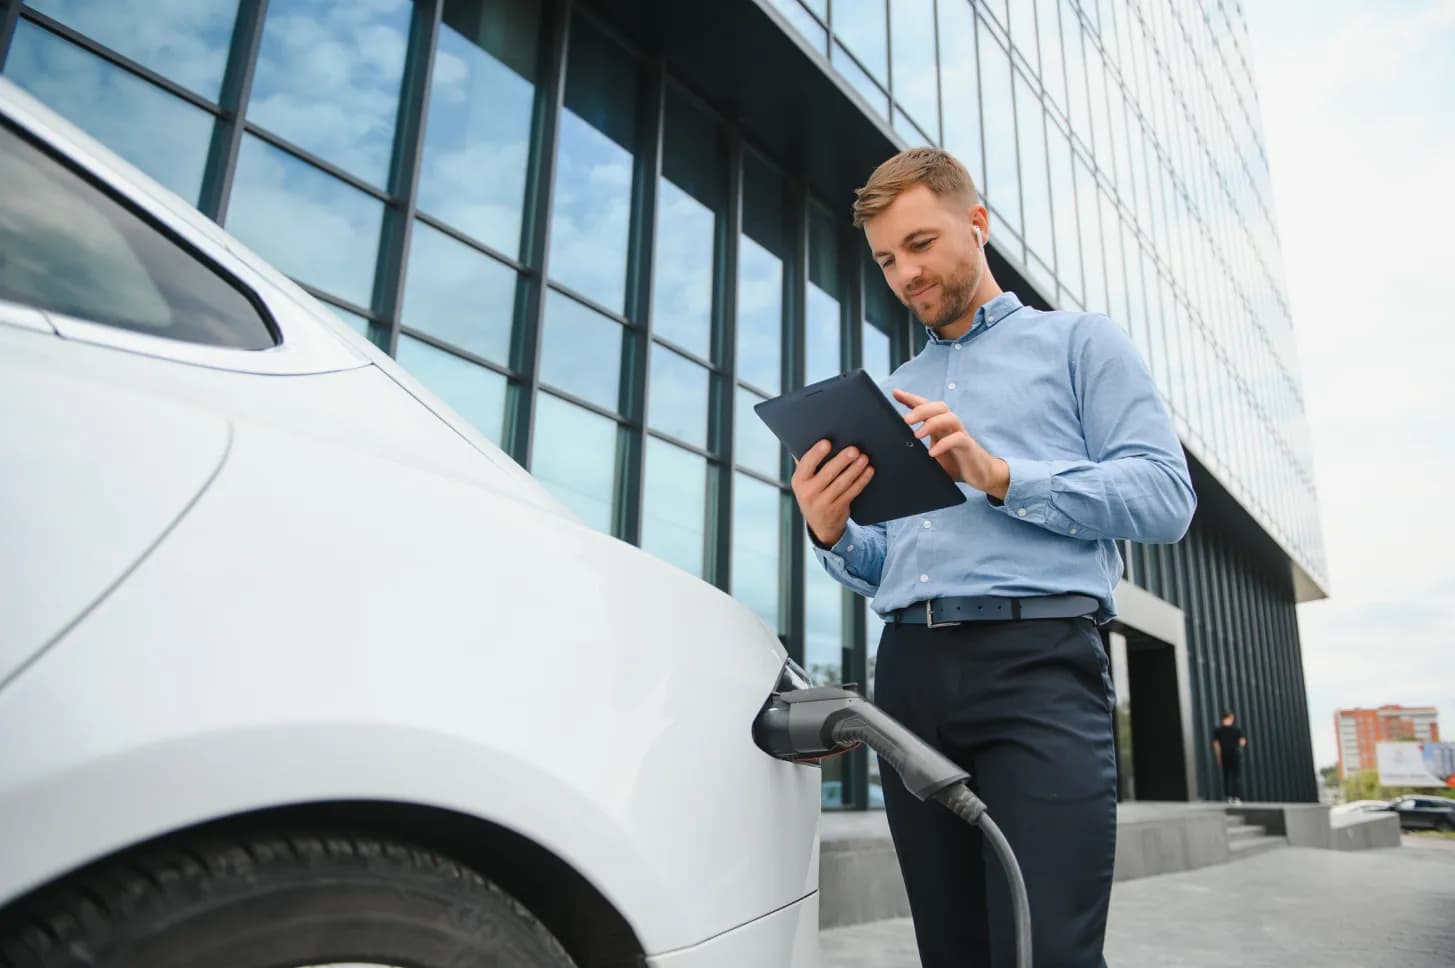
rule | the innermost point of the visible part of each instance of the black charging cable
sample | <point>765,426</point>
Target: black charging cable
<point>810,724</point>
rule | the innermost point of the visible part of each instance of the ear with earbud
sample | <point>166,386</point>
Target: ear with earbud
<point>979,239</point>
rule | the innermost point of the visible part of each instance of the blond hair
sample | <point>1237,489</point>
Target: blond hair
<point>935,168</point>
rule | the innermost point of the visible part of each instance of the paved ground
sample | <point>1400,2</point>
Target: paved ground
<point>1392,908</point>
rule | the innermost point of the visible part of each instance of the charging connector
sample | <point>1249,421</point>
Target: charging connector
<point>807,725</point>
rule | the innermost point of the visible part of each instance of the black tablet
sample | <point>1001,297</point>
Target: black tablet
<point>851,411</point>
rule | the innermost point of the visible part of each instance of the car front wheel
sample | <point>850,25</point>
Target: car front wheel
<point>277,902</point>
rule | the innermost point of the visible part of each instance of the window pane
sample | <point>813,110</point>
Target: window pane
<point>1053,71</point>
<point>873,94</point>
<point>1063,198</point>
<point>1002,182</point>
<point>581,351</point>
<point>859,25</point>
<point>759,513</point>
<point>823,319</point>
<point>876,352</point>
<point>1091,245</point>
<point>328,80</point>
<point>960,86</point>
<point>803,22</point>
<point>916,82</point>
<point>481,98</point>
<point>754,445</point>
<point>161,134</point>
<point>185,41</point>
<point>307,223</point>
<point>575,457</point>
<point>762,252</point>
<point>591,209</point>
<point>459,294</point>
<point>674,505</point>
<point>823,622</point>
<point>1071,38</point>
<point>690,194</point>
<point>1033,169</point>
<point>677,401</point>
<point>474,392</point>
<point>66,246</point>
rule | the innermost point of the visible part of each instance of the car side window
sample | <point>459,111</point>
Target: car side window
<point>69,247</point>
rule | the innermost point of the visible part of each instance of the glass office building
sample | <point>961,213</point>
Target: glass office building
<point>604,229</point>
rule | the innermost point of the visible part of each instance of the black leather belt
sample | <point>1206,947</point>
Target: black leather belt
<point>942,612</point>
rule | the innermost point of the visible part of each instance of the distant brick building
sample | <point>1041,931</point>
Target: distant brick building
<point>1359,729</point>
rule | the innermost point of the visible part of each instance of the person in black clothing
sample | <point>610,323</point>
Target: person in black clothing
<point>1228,746</point>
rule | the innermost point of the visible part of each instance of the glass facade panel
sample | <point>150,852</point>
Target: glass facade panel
<point>759,515</point>
<point>876,352</point>
<point>674,506</point>
<point>575,456</point>
<point>823,318</point>
<point>591,217</point>
<point>860,26</point>
<point>581,351</point>
<point>476,393</point>
<point>1063,201</point>
<point>309,224</point>
<point>328,80</point>
<point>762,252</point>
<point>161,134</point>
<point>1002,170</point>
<point>804,22</point>
<point>868,88</point>
<point>1053,67</point>
<point>960,85</point>
<point>677,397</point>
<point>916,76</point>
<point>459,294</point>
<point>754,445</point>
<point>183,40</point>
<point>481,98</point>
<point>689,200</point>
<point>1037,196</point>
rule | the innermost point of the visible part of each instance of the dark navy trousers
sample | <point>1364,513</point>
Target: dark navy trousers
<point>1026,708</point>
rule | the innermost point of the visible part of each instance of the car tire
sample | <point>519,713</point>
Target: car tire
<point>302,900</point>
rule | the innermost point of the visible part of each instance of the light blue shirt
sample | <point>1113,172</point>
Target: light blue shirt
<point>1066,401</point>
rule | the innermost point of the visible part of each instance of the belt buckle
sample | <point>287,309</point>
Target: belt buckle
<point>930,617</point>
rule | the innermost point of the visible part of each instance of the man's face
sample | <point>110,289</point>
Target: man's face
<point>929,255</point>
<point>1227,720</point>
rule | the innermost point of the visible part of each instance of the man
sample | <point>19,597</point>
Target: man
<point>1228,746</point>
<point>1056,434</point>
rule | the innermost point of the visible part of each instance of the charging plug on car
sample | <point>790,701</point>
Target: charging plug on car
<point>805,724</point>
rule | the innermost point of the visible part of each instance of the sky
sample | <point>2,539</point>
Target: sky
<point>1359,123</point>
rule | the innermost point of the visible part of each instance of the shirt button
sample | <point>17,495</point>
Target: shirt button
<point>927,524</point>
<point>957,347</point>
<point>849,548</point>
<point>1074,530</point>
<point>951,386</point>
<point>1020,512</point>
<point>924,578</point>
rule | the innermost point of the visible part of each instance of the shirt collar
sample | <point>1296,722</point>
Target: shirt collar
<point>985,317</point>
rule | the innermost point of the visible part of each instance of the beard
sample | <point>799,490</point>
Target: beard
<point>957,293</point>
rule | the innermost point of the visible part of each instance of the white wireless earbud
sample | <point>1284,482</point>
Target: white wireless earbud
<point>979,239</point>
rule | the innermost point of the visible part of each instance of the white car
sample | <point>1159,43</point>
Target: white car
<point>297,669</point>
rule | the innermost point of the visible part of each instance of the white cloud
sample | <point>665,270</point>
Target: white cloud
<point>1361,142</point>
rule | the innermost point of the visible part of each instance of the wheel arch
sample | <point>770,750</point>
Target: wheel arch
<point>587,925</point>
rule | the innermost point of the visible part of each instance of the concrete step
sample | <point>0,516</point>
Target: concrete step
<point>1253,846</point>
<point>1238,831</point>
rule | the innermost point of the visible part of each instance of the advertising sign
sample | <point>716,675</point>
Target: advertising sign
<point>1416,764</point>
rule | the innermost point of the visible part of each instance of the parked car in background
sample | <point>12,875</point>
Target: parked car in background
<point>1359,806</point>
<point>296,668</point>
<point>1424,813</point>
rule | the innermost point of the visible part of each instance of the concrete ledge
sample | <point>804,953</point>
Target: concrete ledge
<point>1165,838</point>
<point>1364,831</point>
<point>859,877</point>
<point>1304,824</point>
<point>858,872</point>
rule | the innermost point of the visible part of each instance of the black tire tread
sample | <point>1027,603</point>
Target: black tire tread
<point>60,924</point>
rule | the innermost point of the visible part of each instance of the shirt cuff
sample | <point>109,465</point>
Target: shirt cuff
<point>849,550</point>
<point>1029,495</point>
